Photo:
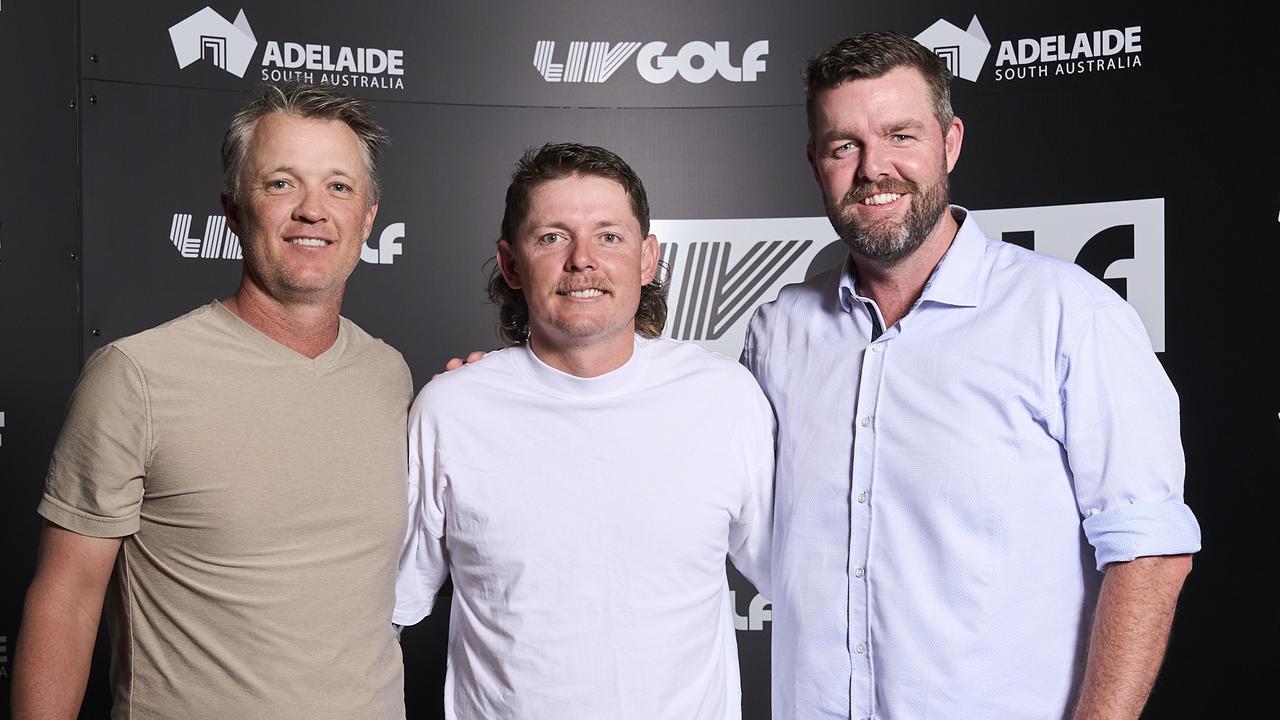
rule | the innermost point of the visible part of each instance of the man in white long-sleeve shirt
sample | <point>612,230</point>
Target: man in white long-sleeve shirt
<point>584,486</point>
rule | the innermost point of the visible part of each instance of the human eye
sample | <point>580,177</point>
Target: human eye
<point>341,187</point>
<point>550,238</point>
<point>278,184</point>
<point>844,149</point>
<point>611,238</point>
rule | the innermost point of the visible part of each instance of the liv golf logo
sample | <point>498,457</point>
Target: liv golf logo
<point>722,270</point>
<point>231,45</point>
<point>695,62</point>
<point>219,243</point>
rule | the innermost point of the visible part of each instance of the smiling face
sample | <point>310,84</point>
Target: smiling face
<point>580,260</point>
<point>882,161</point>
<point>305,211</point>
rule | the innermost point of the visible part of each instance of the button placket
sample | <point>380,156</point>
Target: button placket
<point>862,480</point>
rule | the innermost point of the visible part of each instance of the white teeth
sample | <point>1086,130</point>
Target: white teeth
<point>585,293</point>
<point>308,242</point>
<point>881,199</point>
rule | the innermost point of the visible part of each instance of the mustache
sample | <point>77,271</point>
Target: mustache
<point>587,283</point>
<point>862,191</point>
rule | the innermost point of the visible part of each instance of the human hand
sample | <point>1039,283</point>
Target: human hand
<point>455,363</point>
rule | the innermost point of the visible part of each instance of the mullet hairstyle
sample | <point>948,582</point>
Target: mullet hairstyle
<point>305,100</point>
<point>553,162</point>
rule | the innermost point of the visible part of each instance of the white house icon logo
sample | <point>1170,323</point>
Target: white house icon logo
<point>964,51</point>
<point>208,35</point>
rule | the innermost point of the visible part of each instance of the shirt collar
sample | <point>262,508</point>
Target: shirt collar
<point>956,279</point>
<point>614,382</point>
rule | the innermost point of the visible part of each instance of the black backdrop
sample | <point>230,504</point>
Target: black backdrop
<point>1152,166</point>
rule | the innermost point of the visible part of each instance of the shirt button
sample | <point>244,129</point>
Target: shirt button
<point>862,497</point>
<point>866,421</point>
<point>859,572</point>
<point>860,648</point>
<point>877,347</point>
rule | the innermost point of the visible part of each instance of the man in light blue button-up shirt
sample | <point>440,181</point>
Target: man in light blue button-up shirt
<point>979,506</point>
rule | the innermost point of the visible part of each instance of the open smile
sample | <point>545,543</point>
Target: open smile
<point>582,294</point>
<point>881,199</point>
<point>310,242</point>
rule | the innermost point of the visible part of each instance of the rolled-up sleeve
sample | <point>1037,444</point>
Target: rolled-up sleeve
<point>1121,435</point>
<point>97,474</point>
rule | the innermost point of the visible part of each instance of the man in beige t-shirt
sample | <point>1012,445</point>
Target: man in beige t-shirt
<point>237,474</point>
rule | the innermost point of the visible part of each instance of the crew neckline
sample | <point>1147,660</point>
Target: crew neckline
<point>614,382</point>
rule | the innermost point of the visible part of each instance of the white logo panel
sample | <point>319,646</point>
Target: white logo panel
<point>1121,243</point>
<point>722,270</point>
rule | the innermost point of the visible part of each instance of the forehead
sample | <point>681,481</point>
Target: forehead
<point>899,95</point>
<point>284,138</point>
<point>580,198</point>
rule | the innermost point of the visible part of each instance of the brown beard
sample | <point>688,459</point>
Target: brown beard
<point>884,243</point>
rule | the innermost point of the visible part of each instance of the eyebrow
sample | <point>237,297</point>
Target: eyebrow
<point>539,224</point>
<point>890,128</point>
<point>904,125</point>
<point>292,171</point>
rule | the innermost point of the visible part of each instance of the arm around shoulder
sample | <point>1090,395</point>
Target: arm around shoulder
<point>60,623</point>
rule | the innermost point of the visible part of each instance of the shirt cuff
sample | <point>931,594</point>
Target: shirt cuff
<point>83,523</point>
<point>1125,532</point>
<point>404,616</point>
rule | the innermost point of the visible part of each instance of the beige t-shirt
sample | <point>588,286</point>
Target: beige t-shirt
<point>261,497</point>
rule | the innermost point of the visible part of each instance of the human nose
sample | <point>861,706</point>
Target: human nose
<point>581,256</point>
<point>310,207</point>
<point>872,163</point>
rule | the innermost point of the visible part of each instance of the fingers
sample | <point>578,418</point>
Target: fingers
<point>455,363</point>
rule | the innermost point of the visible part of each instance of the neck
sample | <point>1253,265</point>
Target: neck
<point>306,328</point>
<point>589,359</point>
<point>895,287</point>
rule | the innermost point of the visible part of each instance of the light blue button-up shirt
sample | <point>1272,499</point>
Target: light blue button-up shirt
<point>948,492</point>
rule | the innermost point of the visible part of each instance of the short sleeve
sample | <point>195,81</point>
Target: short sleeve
<point>1121,434</point>
<point>423,561</point>
<point>97,474</point>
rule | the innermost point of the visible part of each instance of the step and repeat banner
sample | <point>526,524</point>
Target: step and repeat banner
<point>1090,130</point>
